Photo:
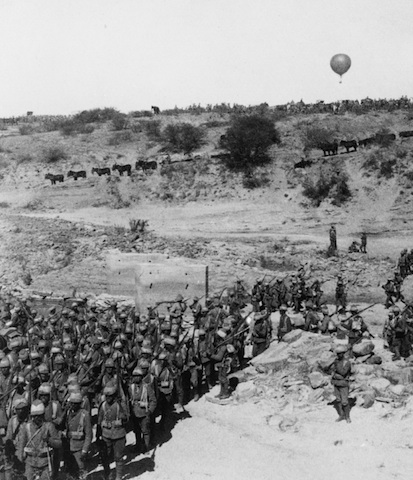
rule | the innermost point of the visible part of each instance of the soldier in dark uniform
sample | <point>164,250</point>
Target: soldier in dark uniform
<point>355,326</point>
<point>390,292</point>
<point>16,424</point>
<point>341,296</point>
<point>223,360</point>
<point>333,240</point>
<point>363,240</point>
<point>399,328</point>
<point>143,404</point>
<point>196,309</point>
<point>259,334</point>
<point>111,429</point>
<point>341,374</point>
<point>35,441</point>
<point>285,326</point>
<point>79,433</point>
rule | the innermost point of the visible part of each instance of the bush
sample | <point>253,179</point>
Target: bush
<point>54,154</point>
<point>255,181</point>
<point>26,129</point>
<point>315,136</point>
<point>120,137</point>
<point>119,121</point>
<point>141,113</point>
<point>386,168</point>
<point>333,186</point>
<point>24,158</point>
<point>182,137</point>
<point>152,128</point>
<point>96,115</point>
<point>71,127</point>
<point>247,141</point>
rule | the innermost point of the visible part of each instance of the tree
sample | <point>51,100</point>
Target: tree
<point>247,141</point>
<point>183,137</point>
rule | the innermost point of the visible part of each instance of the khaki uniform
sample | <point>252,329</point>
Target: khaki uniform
<point>34,449</point>
<point>12,463</point>
<point>112,420</point>
<point>79,434</point>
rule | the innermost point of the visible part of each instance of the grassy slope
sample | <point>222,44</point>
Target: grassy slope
<point>204,197</point>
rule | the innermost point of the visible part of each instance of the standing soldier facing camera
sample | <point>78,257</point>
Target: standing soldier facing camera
<point>35,443</point>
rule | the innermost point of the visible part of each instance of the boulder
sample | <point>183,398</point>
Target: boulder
<point>364,369</point>
<point>397,389</point>
<point>316,395</point>
<point>374,360</point>
<point>246,390</point>
<point>317,380</point>
<point>401,376</point>
<point>379,384</point>
<point>365,347</point>
<point>275,357</point>
<point>368,399</point>
<point>325,360</point>
<point>292,336</point>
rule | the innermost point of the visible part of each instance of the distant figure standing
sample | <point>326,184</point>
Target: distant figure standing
<point>333,239</point>
<point>363,246</point>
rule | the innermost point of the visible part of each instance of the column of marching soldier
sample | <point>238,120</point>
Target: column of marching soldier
<point>137,370</point>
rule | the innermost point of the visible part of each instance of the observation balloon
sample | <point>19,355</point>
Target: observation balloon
<point>340,63</point>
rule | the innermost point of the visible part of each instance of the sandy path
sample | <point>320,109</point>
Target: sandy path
<point>240,442</point>
<point>236,220</point>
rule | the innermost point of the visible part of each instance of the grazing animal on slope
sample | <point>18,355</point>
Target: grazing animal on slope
<point>156,110</point>
<point>329,148</point>
<point>384,138</point>
<point>366,141</point>
<point>54,178</point>
<point>76,175</point>
<point>406,134</point>
<point>303,164</point>
<point>101,171</point>
<point>123,168</point>
<point>152,165</point>
<point>349,144</point>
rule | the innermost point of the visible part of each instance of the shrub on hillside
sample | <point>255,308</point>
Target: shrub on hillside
<point>119,121</point>
<point>252,181</point>
<point>54,154</point>
<point>182,137</point>
<point>386,168</point>
<point>120,137</point>
<point>314,136</point>
<point>141,113</point>
<point>24,158</point>
<point>96,115</point>
<point>26,129</point>
<point>247,141</point>
<point>327,186</point>
<point>152,128</point>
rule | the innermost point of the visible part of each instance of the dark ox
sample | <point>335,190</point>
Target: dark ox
<point>101,171</point>
<point>303,164</point>
<point>350,144</point>
<point>141,164</point>
<point>366,141</point>
<point>54,178</point>
<point>406,134</point>
<point>329,148</point>
<point>76,175</point>
<point>156,110</point>
<point>122,168</point>
<point>384,138</point>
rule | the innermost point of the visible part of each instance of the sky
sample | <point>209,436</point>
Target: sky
<point>64,56</point>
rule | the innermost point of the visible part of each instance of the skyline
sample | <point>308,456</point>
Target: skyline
<point>64,57</point>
